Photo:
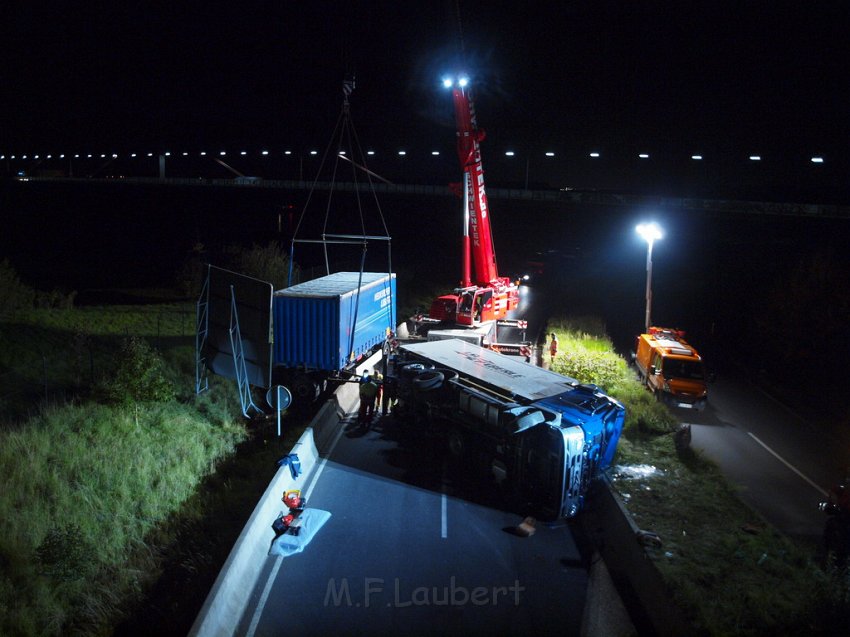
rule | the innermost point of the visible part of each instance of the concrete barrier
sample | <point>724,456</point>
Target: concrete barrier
<point>641,587</point>
<point>227,599</point>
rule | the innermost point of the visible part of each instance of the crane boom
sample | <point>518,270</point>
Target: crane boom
<point>480,233</point>
<point>486,296</point>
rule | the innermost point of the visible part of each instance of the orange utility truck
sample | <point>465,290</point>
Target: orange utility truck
<point>671,368</point>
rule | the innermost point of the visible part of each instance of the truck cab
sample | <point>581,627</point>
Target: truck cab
<point>671,368</point>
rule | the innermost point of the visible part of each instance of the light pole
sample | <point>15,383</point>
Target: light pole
<point>650,232</point>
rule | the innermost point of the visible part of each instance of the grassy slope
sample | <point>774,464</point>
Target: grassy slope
<point>726,567</point>
<point>86,485</point>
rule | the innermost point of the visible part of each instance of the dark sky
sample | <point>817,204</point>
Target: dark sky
<point>765,77</point>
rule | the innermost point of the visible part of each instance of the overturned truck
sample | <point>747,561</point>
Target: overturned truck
<point>545,435</point>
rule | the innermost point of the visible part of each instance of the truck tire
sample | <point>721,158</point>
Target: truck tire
<point>305,389</point>
<point>428,381</point>
<point>414,369</point>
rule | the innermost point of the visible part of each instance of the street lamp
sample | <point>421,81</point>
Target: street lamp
<point>650,232</point>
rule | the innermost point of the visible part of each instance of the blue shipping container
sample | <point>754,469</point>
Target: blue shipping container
<point>327,323</point>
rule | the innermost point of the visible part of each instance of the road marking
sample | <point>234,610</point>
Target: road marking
<point>255,619</point>
<point>789,465</point>
<point>444,519</point>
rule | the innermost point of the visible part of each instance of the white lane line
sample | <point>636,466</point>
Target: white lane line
<point>267,589</point>
<point>789,465</point>
<point>444,521</point>
<point>444,531</point>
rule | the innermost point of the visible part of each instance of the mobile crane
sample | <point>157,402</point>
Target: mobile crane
<point>487,297</point>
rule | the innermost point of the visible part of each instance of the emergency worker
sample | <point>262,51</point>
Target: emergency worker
<point>553,348</point>
<point>368,393</point>
<point>378,379</point>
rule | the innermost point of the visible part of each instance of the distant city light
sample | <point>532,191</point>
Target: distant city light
<point>462,81</point>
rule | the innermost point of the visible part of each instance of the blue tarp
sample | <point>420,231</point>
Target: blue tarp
<point>311,520</point>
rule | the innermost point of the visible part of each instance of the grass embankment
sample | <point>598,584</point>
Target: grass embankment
<point>97,484</point>
<point>727,568</point>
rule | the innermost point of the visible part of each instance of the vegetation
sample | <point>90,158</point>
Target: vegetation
<point>96,476</point>
<point>725,566</point>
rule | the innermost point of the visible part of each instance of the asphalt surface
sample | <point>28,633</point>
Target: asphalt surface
<point>417,546</point>
<point>781,463</point>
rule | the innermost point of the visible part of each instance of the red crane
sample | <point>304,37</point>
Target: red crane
<point>483,295</point>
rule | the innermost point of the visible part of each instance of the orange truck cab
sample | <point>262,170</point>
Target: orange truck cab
<point>671,368</point>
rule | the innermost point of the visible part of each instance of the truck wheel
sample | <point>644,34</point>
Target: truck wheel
<point>427,381</point>
<point>414,369</point>
<point>305,389</point>
<point>456,444</point>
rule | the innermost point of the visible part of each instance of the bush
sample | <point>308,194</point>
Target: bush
<point>267,263</point>
<point>139,375</point>
<point>65,554</point>
<point>600,368</point>
<point>14,295</point>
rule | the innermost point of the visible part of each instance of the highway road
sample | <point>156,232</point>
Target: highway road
<point>782,464</point>
<point>416,546</point>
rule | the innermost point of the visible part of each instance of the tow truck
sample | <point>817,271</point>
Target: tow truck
<point>483,297</point>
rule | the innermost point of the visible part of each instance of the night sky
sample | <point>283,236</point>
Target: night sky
<point>723,79</point>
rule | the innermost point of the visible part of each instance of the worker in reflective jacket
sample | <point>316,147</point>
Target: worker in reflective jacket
<point>378,379</point>
<point>368,393</point>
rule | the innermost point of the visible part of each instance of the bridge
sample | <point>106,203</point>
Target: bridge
<point>589,197</point>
